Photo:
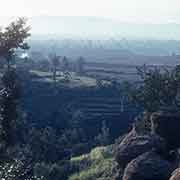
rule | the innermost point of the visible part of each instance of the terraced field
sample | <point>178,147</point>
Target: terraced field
<point>120,72</point>
<point>97,104</point>
<point>118,116</point>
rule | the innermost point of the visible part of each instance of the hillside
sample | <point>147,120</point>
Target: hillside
<point>98,164</point>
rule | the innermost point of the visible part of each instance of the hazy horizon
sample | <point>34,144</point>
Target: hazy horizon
<point>88,27</point>
<point>137,19</point>
<point>138,11</point>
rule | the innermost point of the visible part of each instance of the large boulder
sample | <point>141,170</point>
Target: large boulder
<point>167,125</point>
<point>176,175</point>
<point>134,145</point>
<point>148,166</point>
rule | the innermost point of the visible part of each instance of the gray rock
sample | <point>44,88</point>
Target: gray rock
<point>148,166</point>
<point>134,145</point>
<point>176,175</point>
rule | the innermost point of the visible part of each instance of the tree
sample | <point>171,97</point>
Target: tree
<point>125,91</point>
<point>159,88</point>
<point>12,38</point>
<point>103,137</point>
<point>55,63</point>
<point>8,101</point>
<point>80,65</point>
<point>77,119</point>
<point>65,64</point>
<point>99,82</point>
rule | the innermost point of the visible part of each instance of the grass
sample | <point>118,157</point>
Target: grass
<point>100,165</point>
<point>74,80</point>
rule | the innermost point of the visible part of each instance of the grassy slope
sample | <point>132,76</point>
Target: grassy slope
<point>99,164</point>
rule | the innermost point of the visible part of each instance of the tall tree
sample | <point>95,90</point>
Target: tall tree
<point>9,97</point>
<point>159,88</point>
<point>80,65</point>
<point>12,38</point>
<point>65,64</point>
<point>55,63</point>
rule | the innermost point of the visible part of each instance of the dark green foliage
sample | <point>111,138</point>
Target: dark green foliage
<point>12,38</point>
<point>55,171</point>
<point>103,137</point>
<point>142,123</point>
<point>77,119</point>
<point>9,97</point>
<point>167,124</point>
<point>160,88</point>
<point>43,143</point>
<point>16,170</point>
<point>99,83</point>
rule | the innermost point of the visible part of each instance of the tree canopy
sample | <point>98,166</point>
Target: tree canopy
<point>160,88</point>
<point>13,37</point>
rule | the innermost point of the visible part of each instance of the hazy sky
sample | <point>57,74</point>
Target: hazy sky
<point>155,11</point>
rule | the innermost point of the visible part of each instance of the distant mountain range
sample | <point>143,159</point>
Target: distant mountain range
<point>93,28</point>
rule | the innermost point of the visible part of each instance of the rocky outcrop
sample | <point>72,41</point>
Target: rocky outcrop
<point>167,125</point>
<point>145,154</point>
<point>176,175</point>
<point>148,166</point>
<point>134,145</point>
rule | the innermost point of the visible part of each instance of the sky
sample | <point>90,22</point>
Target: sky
<point>151,11</point>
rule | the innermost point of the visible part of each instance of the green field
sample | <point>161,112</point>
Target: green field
<point>73,79</point>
